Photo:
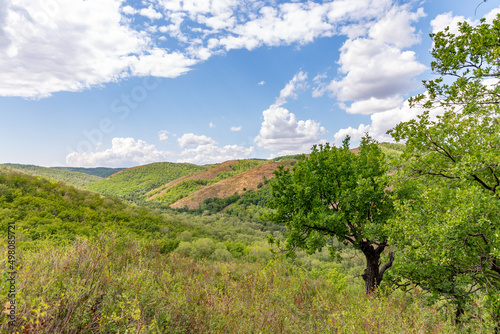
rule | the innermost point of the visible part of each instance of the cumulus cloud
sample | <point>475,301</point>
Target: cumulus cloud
<point>236,128</point>
<point>163,135</point>
<point>376,69</point>
<point>440,22</point>
<point>124,152</point>
<point>281,130</point>
<point>150,13</point>
<point>210,153</point>
<point>75,45</point>
<point>383,121</point>
<point>211,125</point>
<point>374,105</point>
<point>190,139</point>
<point>158,62</point>
<point>262,83</point>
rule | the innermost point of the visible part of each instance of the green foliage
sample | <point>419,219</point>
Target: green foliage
<point>75,178</point>
<point>134,183</point>
<point>181,190</point>
<point>335,193</point>
<point>102,172</point>
<point>447,226</point>
<point>48,210</point>
<point>392,151</point>
<point>110,285</point>
<point>247,164</point>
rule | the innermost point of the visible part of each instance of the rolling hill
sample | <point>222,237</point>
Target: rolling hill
<point>133,183</point>
<point>180,188</point>
<point>44,209</point>
<point>72,176</point>
<point>251,179</point>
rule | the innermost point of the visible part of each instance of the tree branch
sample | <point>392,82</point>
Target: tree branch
<point>387,265</point>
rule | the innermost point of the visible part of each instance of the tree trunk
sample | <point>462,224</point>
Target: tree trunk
<point>373,273</point>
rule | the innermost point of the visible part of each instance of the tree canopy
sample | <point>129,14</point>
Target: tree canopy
<point>447,225</point>
<point>336,193</point>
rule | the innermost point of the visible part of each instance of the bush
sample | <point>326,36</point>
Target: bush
<point>203,248</point>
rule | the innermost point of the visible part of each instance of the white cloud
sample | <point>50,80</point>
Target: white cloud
<point>125,152</point>
<point>190,139</point>
<point>447,20</point>
<point>320,86</point>
<point>383,121</point>
<point>236,128</point>
<point>61,47</point>
<point>158,62</point>
<point>150,13</point>
<point>395,28</point>
<point>163,135</point>
<point>209,153</point>
<point>374,105</point>
<point>43,51</point>
<point>262,83</point>
<point>377,70</point>
<point>355,134</point>
<point>297,83</point>
<point>211,125</point>
<point>281,130</point>
<point>129,10</point>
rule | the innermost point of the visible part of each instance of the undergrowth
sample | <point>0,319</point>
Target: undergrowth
<point>119,285</point>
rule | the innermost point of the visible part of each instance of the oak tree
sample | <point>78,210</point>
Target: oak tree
<point>337,193</point>
<point>447,225</point>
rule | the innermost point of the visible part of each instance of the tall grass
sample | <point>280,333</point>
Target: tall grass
<point>117,285</point>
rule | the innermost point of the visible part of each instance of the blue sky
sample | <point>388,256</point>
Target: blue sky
<point>123,83</point>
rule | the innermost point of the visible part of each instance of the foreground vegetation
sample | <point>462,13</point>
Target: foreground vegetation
<point>119,285</point>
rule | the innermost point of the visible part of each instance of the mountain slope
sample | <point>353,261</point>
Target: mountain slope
<point>251,179</point>
<point>207,174</point>
<point>178,189</point>
<point>42,208</point>
<point>133,183</point>
<point>101,172</point>
<point>72,177</point>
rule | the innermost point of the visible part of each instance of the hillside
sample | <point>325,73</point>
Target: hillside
<point>101,172</point>
<point>46,209</point>
<point>133,183</point>
<point>180,188</point>
<point>72,176</point>
<point>252,179</point>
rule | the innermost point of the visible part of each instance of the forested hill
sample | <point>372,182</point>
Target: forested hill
<point>101,172</point>
<point>72,176</point>
<point>133,183</point>
<point>47,209</point>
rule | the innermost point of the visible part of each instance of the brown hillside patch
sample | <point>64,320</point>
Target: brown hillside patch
<point>207,174</point>
<point>235,184</point>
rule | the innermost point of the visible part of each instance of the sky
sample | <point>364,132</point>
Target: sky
<point>118,83</point>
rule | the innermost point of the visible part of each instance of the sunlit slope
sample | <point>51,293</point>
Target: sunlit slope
<point>43,209</point>
<point>178,189</point>
<point>133,183</point>
<point>72,177</point>
<point>252,179</point>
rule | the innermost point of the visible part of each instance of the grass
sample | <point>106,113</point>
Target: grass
<point>119,285</point>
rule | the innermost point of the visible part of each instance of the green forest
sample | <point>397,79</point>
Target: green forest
<point>397,237</point>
